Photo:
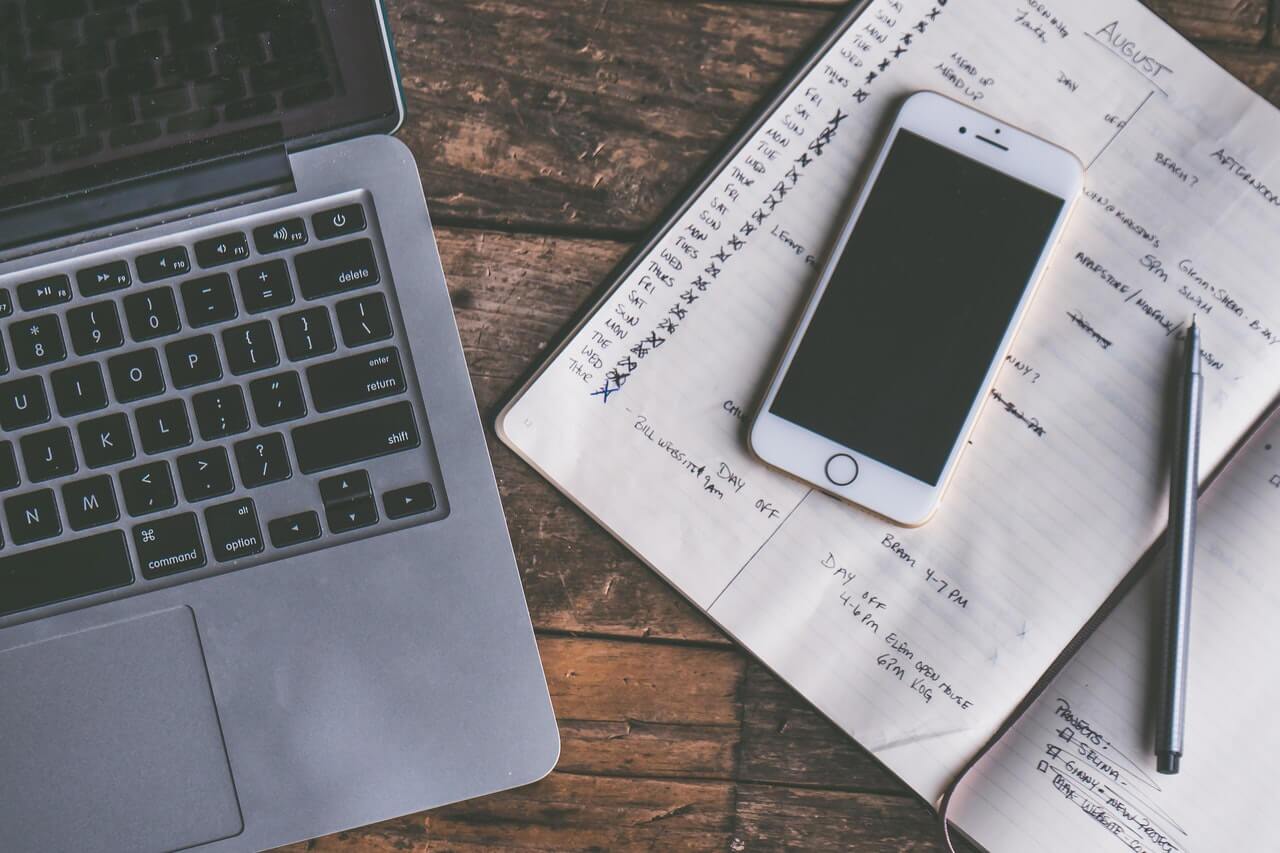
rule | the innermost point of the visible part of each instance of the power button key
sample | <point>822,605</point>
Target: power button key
<point>347,219</point>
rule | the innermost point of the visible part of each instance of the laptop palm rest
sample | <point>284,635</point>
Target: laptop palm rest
<point>109,740</point>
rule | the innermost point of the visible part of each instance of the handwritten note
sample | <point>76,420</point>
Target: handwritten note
<point>920,642</point>
<point>1077,771</point>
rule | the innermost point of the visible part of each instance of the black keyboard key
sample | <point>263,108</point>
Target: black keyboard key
<point>347,219</point>
<point>104,278</point>
<point>34,295</point>
<point>9,478</point>
<point>169,545</point>
<point>90,501</point>
<point>75,149</point>
<point>106,440</point>
<point>32,516</point>
<point>136,134</point>
<point>193,361</point>
<point>277,398</point>
<point>220,412</point>
<point>219,89</point>
<point>265,286</point>
<point>165,263</point>
<point>280,235</point>
<point>351,515</point>
<point>163,426</point>
<point>64,570</point>
<point>165,102</point>
<point>108,115</point>
<point>135,375</point>
<point>78,389</point>
<point>147,488</point>
<point>233,530</point>
<point>48,454</point>
<point>250,347</point>
<point>355,379</point>
<point>411,500</point>
<point>355,437</point>
<point>350,486</point>
<point>192,121</point>
<point>263,460</point>
<point>307,333</point>
<point>37,341</point>
<point>336,269</point>
<point>205,474</point>
<point>364,319</point>
<point>94,328</point>
<point>225,249</point>
<point>152,314</point>
<point>293,529</point>
<point>209,300</point>
<point>23,403</point>
<point>53,126</point>
<point>6,303</point>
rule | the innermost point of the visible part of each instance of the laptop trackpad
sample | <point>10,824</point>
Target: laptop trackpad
<point>109,741</point>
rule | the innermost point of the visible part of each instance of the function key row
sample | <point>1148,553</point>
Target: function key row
<point>213,252</point>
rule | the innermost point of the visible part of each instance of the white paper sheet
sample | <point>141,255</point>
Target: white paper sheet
<point>1077,771</point>
<point>919,642</point>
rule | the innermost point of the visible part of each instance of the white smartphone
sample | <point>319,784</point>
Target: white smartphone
<point>917,304</point>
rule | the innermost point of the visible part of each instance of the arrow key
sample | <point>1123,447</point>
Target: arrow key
<point>293,529</point>
<point>349,515</point>
<point>349,486</point>
<point>411,500</point>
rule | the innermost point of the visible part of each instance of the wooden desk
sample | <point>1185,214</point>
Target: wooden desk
<point>550,136</point>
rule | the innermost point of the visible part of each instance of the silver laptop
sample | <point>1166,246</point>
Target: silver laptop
<point>255,580</point>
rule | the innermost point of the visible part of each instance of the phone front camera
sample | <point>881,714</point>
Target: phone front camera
<point>964,130</point>
<point>997,130</point>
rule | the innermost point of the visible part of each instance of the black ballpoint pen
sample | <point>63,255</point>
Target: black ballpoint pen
<point>1182,543</point>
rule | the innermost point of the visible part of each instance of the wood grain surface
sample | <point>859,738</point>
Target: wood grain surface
<point>550,135</point>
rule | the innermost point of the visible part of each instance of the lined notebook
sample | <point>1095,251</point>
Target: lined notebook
<point>921,643</point>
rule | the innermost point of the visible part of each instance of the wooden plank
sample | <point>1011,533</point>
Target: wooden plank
<point>781,818</point>
<point>1259,69</point>
<point>617,681</point>
<point>645,709</point>
<point>564,812</point>
<point>587,114</point>
<point>1241,22</point>
<point>786,741</point>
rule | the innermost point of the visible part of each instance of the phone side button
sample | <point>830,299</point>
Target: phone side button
<point>842,469</point>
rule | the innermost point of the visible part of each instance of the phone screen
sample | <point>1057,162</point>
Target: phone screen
<point>916,307</point>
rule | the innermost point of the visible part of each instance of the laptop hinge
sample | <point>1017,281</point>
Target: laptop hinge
<point>146,197</point>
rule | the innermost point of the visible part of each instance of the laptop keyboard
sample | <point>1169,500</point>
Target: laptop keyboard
<point>81,76</point>
<point>210,402</point>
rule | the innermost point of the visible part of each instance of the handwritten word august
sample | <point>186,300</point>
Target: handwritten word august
<point>1128,48</point>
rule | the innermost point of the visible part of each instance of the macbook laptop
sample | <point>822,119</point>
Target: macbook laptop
<point>255,580</point>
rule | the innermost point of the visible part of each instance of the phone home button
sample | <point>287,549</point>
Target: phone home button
<point>842,469</point>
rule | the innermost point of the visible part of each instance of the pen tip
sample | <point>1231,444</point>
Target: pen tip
<point>1193,321</point>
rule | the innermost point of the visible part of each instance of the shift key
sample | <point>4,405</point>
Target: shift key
<point>351,438</point>
<point>354,379</point>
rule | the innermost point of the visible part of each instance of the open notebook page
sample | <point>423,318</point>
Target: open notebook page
<point>919,642</point>
<point>1077,771</point>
